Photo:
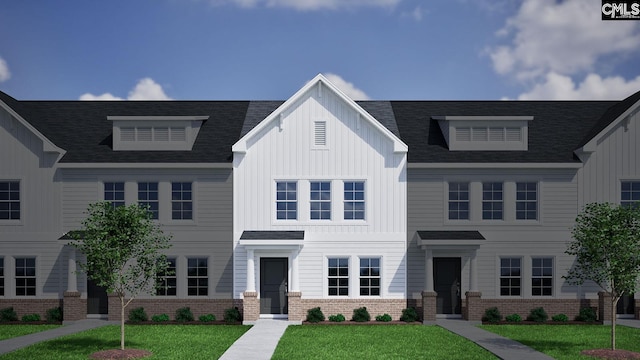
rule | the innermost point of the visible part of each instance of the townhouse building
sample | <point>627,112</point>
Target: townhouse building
<point>276,207</point>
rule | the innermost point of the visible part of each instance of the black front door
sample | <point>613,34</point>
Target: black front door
<point>273,285</point>
<point>97,300</point>
<point>446,279</point>
<point>626,305</point>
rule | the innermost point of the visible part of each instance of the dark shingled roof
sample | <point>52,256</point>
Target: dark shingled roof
<point>450,235</point>
<point>558,128</point>
<point>272,235</point>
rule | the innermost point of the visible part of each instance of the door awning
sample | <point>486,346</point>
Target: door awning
<point>450,239</point>
<point>271,238</point>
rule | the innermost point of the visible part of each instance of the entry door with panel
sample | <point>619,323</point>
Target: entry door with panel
<point>446,279</point>
<point>273,285</point>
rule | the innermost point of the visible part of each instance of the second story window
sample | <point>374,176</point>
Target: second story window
<point>181,201</point>
<point>354,203</point>
<point>148,197</point>
<point>630,195</point>
<point>526,201</point>
<point>9,200</point>
<point>320,200</point>
<point>286,200</point>
<point>458,201</point>
<point>114,193</point>
<point>492,201</point>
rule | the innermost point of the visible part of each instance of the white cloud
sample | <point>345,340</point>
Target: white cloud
<point>309,5</point>
<point>549,45</point>
<point>416,14</point>
<point>346,87</point>
<point>145,89</point>
<point>5,74</point>
<point>562,87</point>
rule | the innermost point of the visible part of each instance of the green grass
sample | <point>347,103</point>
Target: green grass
<point>375,342</point>
<point>567,341</point>
<point>11,331</point>
<point>164,341</point>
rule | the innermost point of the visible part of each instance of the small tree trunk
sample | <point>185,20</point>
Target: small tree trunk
<point>122,322</point>
<point>614,303</point>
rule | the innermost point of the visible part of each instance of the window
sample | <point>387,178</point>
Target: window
<point>369,276</point>
<point>286,200</point>
<point>1,276</point>
<point>527,201</point>
<point>26,276</point>
<point>197,279</point>
<point>542,276</point>
<point>181,201</point>
<point>510,276</point>
<point>9,200</point>
<point>167,280</point>
<point>338,278</point>
<point>458,201</point>
<point>320,133</point>
<point>630,193</point>
<point>354,200</point>
<point>320,200</point>
<point>492,201</point>
<point>114,192</point>
<point>148,197</point>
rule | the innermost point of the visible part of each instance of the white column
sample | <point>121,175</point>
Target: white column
<point>473,272</point>
<point>295,282</point>
<point>251,272</point>
<point>428,270</point>
<point>72,277</point>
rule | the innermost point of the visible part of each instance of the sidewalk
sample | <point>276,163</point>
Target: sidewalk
<point>501,347</point>
<point>26,340</point>
<point>259,342</point>
<point>629,322</point>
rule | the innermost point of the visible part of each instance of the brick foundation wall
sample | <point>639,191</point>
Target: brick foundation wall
<point>429,306</point>
<point>251,306</point>
<point>522,307</point>
<point>24,306</point>
<point>473,307</point>
<point>75,308</point>
<point>296,310</point>
<point>345,307</point>
<point>156,306</point>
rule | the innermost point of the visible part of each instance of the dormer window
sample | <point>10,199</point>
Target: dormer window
<point>156,133</point>
<point>493,133</point>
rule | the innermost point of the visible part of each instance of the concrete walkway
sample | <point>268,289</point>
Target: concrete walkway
<point>26,340</point>
<point>501,347</point>
<point>629,322</point>
<point>259,342</point>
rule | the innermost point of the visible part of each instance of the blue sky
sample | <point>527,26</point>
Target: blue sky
<point>268,49</point>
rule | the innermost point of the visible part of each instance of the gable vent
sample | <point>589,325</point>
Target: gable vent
<point>320,133</point>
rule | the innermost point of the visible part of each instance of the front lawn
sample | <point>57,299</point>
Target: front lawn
<point>567,341</point>
<point>164,341</point>
<point>11,331</point>
<point>375,342</point>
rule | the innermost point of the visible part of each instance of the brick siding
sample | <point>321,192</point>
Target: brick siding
<point>25,306</point>
<point>156,306</point>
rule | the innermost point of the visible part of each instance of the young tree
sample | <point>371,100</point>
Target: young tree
<point>122,249</point>
<point>606,244</point>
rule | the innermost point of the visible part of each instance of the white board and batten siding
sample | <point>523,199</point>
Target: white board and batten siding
<point>615,159</point>
<point>23,159</point>
<point>286,149</point>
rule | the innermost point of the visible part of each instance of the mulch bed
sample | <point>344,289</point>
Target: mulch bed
<point>611,354</point>
<point>30,323</point>
<point>349,322</point>
<point>173,322</point>
<point>120,354</point>
<point>524,322</point>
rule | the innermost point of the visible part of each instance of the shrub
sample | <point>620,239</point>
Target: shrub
<point>409,315</point>
<point>207,318</point>
<point>184,314</point>
<point>492,315</point>
<point>232,315</point>
<point>315,315</point>
<point>587,314</point>
<point>560,318</point>
<point>513,318</point>
<point>383,318</point>
<point>54,315</point>
<point>337,318</point>
<point>138,315</point>
<point>538,315</point>
<point>361,315</point>
<point>160,318</point>
<point>8,314</point>
<point>31,317</point>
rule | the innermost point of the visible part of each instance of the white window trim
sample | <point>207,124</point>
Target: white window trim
<point>382,287</point>
<point>185,286</point>
<point>194,203</point>
<point>13,277</point>
<point>325,277</point>
<point>522,277</point>
<point>554,279</point>
<point>13,222</point>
